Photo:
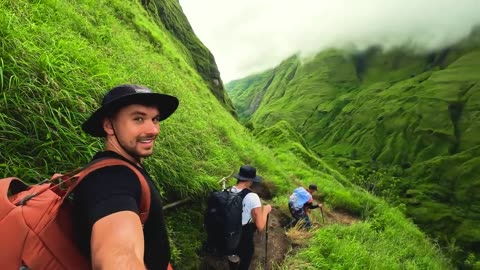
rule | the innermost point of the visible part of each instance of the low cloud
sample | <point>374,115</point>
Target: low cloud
<point>249,36</point>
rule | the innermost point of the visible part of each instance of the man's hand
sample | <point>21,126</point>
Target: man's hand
<point>267,208</point>
<point>320,205</point>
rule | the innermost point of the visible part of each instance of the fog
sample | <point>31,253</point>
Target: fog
<point>249,36</point>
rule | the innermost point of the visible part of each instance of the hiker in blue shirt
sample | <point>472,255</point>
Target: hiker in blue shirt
<point>300,203</point>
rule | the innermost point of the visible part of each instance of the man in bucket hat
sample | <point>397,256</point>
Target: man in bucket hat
<point>107,201</point>
<point>254,216</point>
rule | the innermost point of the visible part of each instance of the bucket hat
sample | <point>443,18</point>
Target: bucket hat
<point>124,95</point>
<point>248,173</point>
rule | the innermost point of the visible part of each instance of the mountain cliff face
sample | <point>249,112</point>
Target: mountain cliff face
<point>57,60</point>
<point>171,16</point>
<point>419,113</point>
<point>341,101</point>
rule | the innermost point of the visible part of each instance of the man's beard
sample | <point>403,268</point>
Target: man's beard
<point>132,151</point>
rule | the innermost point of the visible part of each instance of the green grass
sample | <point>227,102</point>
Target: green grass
<point>383,242</point>
<point>383,239</point>
<point>169,15</point>
<point>394,109</point>
<point>57,59</point>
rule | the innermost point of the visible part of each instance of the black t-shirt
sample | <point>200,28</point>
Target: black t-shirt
<point>117,188</point>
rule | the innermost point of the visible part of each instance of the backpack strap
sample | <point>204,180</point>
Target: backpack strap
<point>145,197</point>
<point>243,193</point>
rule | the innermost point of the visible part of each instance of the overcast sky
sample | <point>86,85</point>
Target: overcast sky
<point>248,36</point>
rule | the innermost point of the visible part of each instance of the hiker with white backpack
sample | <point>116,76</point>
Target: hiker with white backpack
<point>300,203</point>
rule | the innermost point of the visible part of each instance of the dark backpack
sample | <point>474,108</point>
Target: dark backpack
<point>223,221</point>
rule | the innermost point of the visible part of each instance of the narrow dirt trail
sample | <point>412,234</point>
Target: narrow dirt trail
<point>279,242</point>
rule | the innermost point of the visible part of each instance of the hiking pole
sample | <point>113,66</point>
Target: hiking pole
<point>323,218</point>
<point>224,181</point>
<point>266,245</point>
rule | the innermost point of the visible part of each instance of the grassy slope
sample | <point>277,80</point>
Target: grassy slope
<point>250,85</point>
<point>384,240</point>
<point>58,57</point>
<point>170,15</point>
<point>396,108</point>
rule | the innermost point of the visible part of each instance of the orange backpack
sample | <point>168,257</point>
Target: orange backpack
<point>36,222</point>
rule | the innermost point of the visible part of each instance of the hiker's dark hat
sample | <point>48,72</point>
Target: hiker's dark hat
<point>313,187</point>
<point>124,95</point>
<point>248,173</point>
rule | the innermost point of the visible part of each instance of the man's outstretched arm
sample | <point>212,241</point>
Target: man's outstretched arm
<point>310,205</point>
<point>117,242</point>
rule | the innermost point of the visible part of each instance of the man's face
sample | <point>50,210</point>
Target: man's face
<point>136,127</point>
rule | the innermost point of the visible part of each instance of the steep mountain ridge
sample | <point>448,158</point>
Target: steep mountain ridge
<point>427,97</point>
<point>406,110</point>
<point>58,58</point>
<point>170,15</point>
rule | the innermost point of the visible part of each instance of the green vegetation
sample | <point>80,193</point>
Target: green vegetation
<point>384,240</point>
<point>402,125</point>
<point>170,15</point>
<point>57,58</point>
<point>372,243</point>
